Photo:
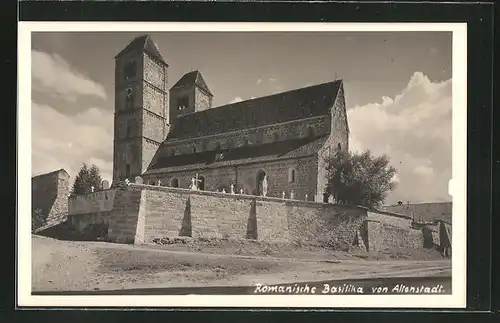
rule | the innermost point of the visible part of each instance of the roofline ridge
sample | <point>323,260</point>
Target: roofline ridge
<point>145,39</point>
<point>51,172</point>
<point>281,93</point>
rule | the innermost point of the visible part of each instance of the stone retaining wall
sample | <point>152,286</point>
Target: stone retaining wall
<point>142,213</point>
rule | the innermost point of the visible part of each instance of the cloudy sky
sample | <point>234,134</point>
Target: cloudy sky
<point>398,92</point>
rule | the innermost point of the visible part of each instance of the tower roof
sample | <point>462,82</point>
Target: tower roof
<point>143,44</point>
<point>191,78</point>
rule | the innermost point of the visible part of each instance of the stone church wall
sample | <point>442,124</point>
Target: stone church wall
<point>279,180</point>
<point>266,134</point>
<point>245,177</point>
<point>339,138</point>
<point>49,193</point>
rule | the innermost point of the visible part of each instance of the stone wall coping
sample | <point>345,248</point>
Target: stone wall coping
<point>435,223</point>
<point>140,187</point>
<point>83,196</point>
<point>398,215</point>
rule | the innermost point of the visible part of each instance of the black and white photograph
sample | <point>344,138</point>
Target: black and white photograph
<point>228,164</point>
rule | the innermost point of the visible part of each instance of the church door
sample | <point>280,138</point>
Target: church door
<point>260,177</point>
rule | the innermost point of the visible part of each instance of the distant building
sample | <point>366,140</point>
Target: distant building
<point>424,212</point>
<point>174,136</point>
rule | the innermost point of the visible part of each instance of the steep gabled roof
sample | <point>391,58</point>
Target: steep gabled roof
<point>295,148</point>
<point>312,101</point>
<point>60,171</point>
<point>191,78</point>
<point>143,44</point>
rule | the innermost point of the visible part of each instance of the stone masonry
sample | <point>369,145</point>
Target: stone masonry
<point>49,194</point>
<point>143,213</point>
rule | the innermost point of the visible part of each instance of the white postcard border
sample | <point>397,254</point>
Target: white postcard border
<point>457,188</point>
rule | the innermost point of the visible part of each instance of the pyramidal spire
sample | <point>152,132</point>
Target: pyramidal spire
<point>143,44</point>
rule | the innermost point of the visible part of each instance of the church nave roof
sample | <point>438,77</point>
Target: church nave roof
<point>287,106</point>
<point>241,155</point>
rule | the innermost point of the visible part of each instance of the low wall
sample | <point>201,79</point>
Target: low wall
<point>95,202</point>
<point>141,213</point>
<point>387,230</point>
<point>424,212</point>
<point>325,224</point>
<point>89,209</point>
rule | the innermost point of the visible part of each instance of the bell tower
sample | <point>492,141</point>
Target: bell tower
<point>141,121</point>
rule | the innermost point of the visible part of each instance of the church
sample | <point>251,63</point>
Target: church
<point>173,136</point>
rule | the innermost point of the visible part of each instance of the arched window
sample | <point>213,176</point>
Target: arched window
<point>182,103</point>
<point>310,131</point>
<point>339,146</point>
<point>275,137</point>
<point>194,149</point>
<point>291,175</point>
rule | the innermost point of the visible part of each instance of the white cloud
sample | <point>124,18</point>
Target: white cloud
<point>272,79</point>
<point>236,99</point>
<point>61,141</point>
<point>259,81</point>
<point>51,73</point>
<point>414,130</point>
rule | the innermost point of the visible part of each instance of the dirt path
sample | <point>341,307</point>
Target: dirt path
<point>61,265</point>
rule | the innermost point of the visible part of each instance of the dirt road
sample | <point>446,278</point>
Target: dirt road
<point>91,266</point>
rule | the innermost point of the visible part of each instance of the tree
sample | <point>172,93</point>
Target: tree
<point>359,179</point>
<point>86,178</point>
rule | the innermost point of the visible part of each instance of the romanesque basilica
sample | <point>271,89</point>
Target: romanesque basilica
<point>171,135</point>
